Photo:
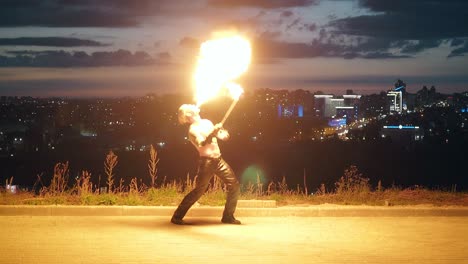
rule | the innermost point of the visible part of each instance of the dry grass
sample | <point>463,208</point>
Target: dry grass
<point>152,165</point>
<point>351,189</point>
<point>171,194</point>
<point>109,165</point>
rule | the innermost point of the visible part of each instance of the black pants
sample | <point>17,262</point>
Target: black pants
<point>207,168</point>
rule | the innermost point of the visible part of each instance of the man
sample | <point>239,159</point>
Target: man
<point>204,136</point>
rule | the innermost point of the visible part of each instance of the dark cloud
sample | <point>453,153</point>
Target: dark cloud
<point>189,42</point>
<point>461,51</point>
<point>79,59</point>
<point>311,27</point>
<point>456,42</point>
<point>420,45</point>
<point>50,42</point>
<point>272,49</point>
<point>293,23</point>
<point>270,35</point>
<point>374,55</point>
<point>287,13</point>
<point>20,3</point>
<point>76,13</point>
<point>164,56</point>
<point>416,25</point>
<point>262,3</point>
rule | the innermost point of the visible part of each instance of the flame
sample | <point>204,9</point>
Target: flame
<point>234,90</point>
<point>221,61</point>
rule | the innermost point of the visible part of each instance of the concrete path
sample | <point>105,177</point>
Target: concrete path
<point>325,210</point>
<point>288,239</point>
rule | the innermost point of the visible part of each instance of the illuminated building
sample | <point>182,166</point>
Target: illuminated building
<point>396,101</point>
<point>290,111</point>
<point>326,106</point>
<point>351,108</point>
<point>320,102</point>
<point>337,122</point>
<point>330,108</point>
<point>350,113</point>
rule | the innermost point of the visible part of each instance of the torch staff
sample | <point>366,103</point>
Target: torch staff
<point>233,104</point>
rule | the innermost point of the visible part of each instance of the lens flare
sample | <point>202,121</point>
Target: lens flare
<point>253,175</point>
<point>221,61</point>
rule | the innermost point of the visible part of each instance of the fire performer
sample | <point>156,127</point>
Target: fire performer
<point>221,60</point>
<point>204,136</point>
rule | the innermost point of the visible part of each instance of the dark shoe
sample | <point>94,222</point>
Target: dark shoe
<point>230,220</point>
<point>177,221</point>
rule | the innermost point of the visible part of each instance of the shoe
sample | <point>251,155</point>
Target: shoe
<point>177,221</point>
<point>230,220</point>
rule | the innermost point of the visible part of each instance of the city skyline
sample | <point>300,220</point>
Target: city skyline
<point>129,48</point>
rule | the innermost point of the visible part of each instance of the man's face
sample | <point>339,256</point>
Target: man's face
<point>187,113</point>
<point>194,111</point>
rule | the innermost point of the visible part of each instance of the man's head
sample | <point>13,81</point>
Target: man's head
<point>187,113</point>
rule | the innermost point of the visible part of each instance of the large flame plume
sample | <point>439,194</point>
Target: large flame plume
<point>221,61</point>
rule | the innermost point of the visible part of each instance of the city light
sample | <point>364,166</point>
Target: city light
<point>401,127</point>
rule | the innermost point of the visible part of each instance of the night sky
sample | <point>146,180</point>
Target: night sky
<point>131,48</point>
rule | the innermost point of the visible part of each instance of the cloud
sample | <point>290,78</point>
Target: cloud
<point>189,42</point>
<point>270,35</point>
<point>77,13</point>
<point>461,51</point>
<point>164,56</point>
<point>50,42</point>
<point>420,45</point>
<point>456,42</point>
<point>262,3</point>
<point>374,55</point>
<point>311,27</point>
<point>410,26</point>
<point>293,23</point>
<point>267,48</point>
<point>287,13</point>
<point>80,59</point>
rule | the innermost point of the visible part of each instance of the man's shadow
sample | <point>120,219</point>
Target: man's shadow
<point>163,224</point>
<point>151,223</point>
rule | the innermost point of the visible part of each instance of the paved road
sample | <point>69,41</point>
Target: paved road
<point>67,239</point>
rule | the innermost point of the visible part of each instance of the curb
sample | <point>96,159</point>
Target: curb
<point>216,211</point>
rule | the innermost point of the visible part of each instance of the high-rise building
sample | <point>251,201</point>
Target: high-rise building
<point>397,97</point>
<point>330,108</point>
<point>395,101</point>
<point>327,106</point>
<point>320,103</point>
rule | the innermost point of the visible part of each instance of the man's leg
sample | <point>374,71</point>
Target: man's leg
<point>227,175</point>
<point>203,179</point>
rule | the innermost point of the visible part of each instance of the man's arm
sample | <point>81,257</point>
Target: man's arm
<point>198,138</point>
<point>213,134</point>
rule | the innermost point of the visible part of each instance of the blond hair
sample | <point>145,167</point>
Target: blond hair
<point>186,111</point>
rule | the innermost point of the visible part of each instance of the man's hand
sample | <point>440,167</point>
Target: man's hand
<point>223,134</point>
<point>216,129</point>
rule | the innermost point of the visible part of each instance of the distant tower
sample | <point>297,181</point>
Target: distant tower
<point>396,97</point>
<point>395,101</point>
